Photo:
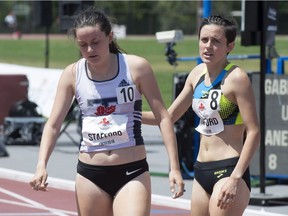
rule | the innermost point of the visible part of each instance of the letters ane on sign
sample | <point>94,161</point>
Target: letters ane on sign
<point>277,138</point>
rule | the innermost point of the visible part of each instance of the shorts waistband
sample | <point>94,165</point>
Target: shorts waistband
<point>112,167</point>
<point>216,164</point>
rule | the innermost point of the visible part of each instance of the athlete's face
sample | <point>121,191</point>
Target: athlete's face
<point>213,45</point>
<point>93,43</point>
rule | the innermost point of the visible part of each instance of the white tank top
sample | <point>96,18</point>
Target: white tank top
<point>111,109</point>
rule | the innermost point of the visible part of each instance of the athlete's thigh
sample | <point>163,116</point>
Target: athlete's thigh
<point>92,200</point>
<point>134,198</point>
<point>199,200</point>
<point>237,207</point>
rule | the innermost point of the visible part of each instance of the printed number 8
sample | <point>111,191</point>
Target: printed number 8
<point>213,103</point>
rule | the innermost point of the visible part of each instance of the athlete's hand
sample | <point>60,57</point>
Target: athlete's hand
<point>176,179</point>
<point>38,181</point>
<point>228,193</point>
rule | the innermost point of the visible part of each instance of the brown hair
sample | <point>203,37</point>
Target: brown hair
<point>230,26</point>
<point>91,17</point>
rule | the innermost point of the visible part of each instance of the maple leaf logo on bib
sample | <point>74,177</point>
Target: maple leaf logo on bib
<point>104,123</point>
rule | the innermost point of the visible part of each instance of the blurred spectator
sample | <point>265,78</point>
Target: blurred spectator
<point>11,22</point>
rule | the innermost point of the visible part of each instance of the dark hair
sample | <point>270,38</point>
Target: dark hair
<point>91,17</point>
<point>229,24</point>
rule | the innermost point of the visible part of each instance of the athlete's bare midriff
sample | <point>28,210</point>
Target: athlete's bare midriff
<point>223,145</point>
<point>114,157</point>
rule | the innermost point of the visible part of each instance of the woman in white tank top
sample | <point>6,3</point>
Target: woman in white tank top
<point>112,172</point>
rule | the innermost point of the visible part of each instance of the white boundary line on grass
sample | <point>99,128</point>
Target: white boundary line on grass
<point>156,199</point>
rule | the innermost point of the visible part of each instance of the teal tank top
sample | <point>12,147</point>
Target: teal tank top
<point>207,100</point>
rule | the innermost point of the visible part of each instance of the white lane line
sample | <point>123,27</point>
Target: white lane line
<point>156,199</point>
<point>26,214</point>
<point>33,204</point>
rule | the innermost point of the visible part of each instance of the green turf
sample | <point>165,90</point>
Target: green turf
<point>63,52</point>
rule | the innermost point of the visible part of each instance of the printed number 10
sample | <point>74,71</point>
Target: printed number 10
<point>128,94</point>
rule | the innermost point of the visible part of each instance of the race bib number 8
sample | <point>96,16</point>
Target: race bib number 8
<point>125,94</point>
<point>207,110</point>
<point>214,99</point>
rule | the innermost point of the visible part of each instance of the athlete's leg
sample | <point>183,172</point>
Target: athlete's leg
<point>134,198</point>
<point>199,200</point>
<point>91,199</point>
<point>239,204</point>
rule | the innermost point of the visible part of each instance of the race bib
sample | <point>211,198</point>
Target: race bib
<point>207,110</point>
<point>105,130</point>
<point>125,94</point>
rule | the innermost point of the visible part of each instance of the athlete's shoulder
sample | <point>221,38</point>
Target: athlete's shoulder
<point>196,73</point>
<point>198,70</point>
<point>138,64</point>
<point>135,59</point>
<point>237,74</point>
<point>70,69</point>
<point>237,81</point>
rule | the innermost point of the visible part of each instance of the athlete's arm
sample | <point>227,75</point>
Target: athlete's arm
<point>179,105</point>
<point>246,102</point>
<point>145,80</point>
<point>62,103</point>
<point>243,93</point>
<point>182,102</point>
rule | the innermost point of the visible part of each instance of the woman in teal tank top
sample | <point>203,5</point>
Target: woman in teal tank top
<point>221,95</point>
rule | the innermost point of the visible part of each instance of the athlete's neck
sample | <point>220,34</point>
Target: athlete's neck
<point>108,70</point>
<point>213,71</point>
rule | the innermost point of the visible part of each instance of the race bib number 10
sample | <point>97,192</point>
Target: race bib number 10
<point>125,94</point>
